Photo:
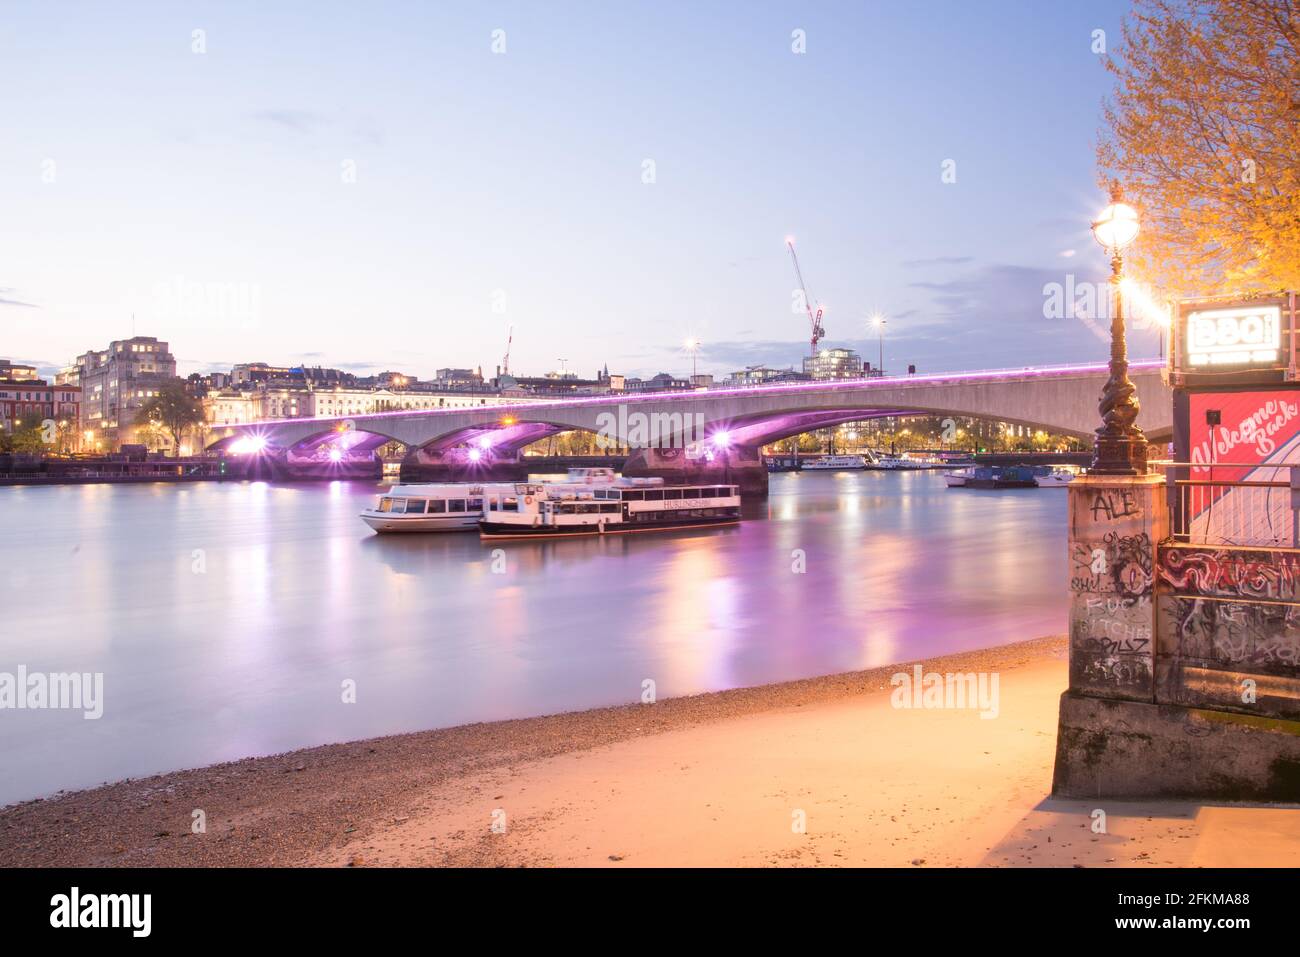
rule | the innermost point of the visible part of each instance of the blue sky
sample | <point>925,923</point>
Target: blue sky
<point>209,194</point>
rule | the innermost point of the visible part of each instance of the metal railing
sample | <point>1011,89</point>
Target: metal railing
<point>1262,510</point>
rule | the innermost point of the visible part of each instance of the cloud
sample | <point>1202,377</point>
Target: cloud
<point>937,261</point>
<point>299,121</point>
<point>5,300</point>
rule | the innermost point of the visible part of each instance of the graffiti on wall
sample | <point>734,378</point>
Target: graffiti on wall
<point>1237,608</point>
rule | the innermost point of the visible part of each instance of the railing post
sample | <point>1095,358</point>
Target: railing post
<point>1295,506</point>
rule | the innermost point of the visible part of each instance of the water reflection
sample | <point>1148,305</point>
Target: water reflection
<point>227,617</point>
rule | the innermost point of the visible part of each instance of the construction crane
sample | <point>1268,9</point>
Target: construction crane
<point>814,319</point>
<point>505,363</point>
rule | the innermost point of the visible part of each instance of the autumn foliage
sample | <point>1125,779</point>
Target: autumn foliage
<point>1204,133</point>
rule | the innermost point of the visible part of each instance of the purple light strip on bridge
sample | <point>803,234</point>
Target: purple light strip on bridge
<point>791,388</point>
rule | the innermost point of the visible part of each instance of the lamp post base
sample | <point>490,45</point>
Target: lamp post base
<point>1122,455</point>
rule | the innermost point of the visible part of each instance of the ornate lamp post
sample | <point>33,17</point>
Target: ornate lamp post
<point>1120,447</point>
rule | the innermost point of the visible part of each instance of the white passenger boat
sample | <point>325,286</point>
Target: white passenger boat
<point>834,463</point>
<point>458,506</point>
<point>562,509</point>
<point>448,507</point>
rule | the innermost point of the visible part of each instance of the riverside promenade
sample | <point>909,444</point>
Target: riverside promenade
<point>825,771</point>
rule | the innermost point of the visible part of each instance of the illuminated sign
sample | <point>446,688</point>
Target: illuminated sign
<point>1244,335</point>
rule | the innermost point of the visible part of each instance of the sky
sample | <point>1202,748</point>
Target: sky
<point>398,185</point>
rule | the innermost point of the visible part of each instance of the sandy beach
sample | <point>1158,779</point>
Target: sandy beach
<point>825,771</point>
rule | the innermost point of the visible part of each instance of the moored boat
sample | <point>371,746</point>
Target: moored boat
<point>957,479</point>
<point>459,506</point>
<point>1058,477</point>
<point>562,510</point>
<point>447,507</point>
<point>835,463</point>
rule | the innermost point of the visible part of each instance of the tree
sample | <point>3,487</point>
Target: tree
<point>1204,133</point>
<point>32,435</point>
<point>172,409</point>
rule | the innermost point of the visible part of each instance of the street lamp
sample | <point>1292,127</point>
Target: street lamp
<point>1120,447</point>
<point>878,323</point>
<point>692,345</point>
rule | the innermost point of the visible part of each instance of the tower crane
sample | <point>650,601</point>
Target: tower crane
<point>505,363</point>
<point>814,319</point>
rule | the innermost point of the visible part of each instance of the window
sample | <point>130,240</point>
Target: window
<point>609,508</point>
<point>654,495</point>
<point>672,493</point>
<point>633,496</point>
<point>475,505</point>
<point>385,504</point>
<point>598,493</point>
<point>455,505</point>
<point>415,506</point>
<point>437,506</point>
<point>612,493</point>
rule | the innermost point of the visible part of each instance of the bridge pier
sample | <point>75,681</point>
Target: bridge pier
<point>291,467</point>
<point>457,465</point>
<point>1184,665</point>
<point>737,465</point>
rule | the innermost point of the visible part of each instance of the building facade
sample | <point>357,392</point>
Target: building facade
<point>115,383</point>
<point>26,400</point>
<point>834,364</point>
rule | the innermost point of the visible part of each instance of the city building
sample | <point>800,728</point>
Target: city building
<point>762,375</point>
<point>17,372</point>
<point>663,382</point>
<point>834,364</point>
<point>115,383</point>
<point>25,398</point>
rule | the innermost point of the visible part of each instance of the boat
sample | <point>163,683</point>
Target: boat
<point>957,479</point>
<point>459,506</point>
<point>1003,476</point>
<point>835,463</point>
<point>446,507</point>
<point>1058,477</point>
<point>564,510</point>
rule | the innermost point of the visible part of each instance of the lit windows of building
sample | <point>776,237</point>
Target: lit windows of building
<point>834,364</point>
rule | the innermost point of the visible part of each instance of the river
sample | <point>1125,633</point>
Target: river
<point>231,620</point>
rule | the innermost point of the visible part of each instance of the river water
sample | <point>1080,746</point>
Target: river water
<point>227,620</point>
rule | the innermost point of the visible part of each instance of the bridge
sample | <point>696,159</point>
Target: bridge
<point>707,435</point>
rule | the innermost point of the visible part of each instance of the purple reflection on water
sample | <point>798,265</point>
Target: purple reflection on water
<point>226,617</point>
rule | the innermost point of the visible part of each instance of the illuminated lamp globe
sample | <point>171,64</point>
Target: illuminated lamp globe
<point>1117,226</point>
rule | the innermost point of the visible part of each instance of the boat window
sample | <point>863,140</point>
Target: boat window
<point>609,508</point>
<point>475,505</point>
<point>415,506</point>
<point>612,493</point>
<point>385,504</point>
<point>630,495</point>
<point>654,495</point>
<point>672,493</point>
<point>437,506</point>
<point>598,493</point>
<point>455,505</point>
<point>510,505</point>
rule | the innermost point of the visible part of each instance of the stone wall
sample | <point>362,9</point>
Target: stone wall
<point>1184,659</point>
